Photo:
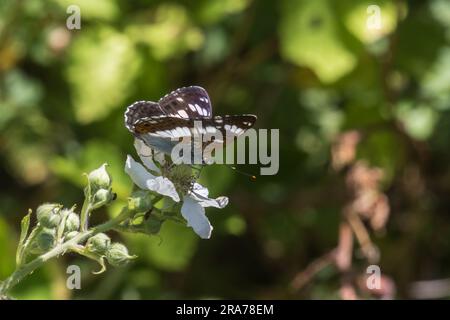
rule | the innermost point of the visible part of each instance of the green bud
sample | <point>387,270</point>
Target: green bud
<point>99,243</point>
<point>99,179</point>
<point>71,235</point>
<point>103,195</point>
<point>117,255</point>
<point>46,239</point>
<point>72,222</point>
<point>140,201</point>
<point>48,215</point>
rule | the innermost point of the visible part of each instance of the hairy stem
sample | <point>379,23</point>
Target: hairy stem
<point>60,249</point>
<point>85,211</point>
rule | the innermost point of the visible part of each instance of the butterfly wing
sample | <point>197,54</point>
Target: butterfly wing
<point>174,127</point>
<point>140,110</point>
<point>184,103</point>
<point>234,125</point>
<point>184,112</point>
<point>188,103</point>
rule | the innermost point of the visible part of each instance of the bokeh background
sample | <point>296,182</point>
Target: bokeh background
<point>364,118</point>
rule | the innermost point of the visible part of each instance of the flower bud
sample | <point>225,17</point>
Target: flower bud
<point>99,243</point>
<point>140,201</point>
<point>72,222</point>
<point>117,255</point>
<point>46,239</point>
<point>99,179</point>
<point>48,215</point>
<point>102,197</point>
<point>71,235</point>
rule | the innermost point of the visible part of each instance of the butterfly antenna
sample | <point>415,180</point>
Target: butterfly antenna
<point>252,177</point>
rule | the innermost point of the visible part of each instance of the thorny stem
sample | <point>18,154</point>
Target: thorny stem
<point>60,249</point>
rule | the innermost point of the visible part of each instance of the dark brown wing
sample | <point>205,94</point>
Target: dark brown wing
<point>189,103</point>
<point>176,127</point>
<point>140,110</point>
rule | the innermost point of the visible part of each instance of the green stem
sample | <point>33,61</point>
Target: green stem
<point>85,211</point>
<point>60,249</point>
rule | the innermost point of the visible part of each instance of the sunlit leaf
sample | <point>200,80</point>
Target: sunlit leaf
<point>310,37</point>
<point>441,11</point>
<point>436,82</point>
<point>169,34</point>
<point>359,18</point>
<point>419,121</point>
<point>102,65</point>
<point>94,154</point>
<point>211,11</point>
<point>7,245</point>
<point>100,9</point>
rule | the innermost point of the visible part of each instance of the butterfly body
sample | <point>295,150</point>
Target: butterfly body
<point>183,113</point>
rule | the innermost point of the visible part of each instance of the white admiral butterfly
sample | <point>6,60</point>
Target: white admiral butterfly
<point>161,124</point>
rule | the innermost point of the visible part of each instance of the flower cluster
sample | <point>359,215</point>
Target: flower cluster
<point>165,192</point>
<point>175,182</point>
<point>57,226</point>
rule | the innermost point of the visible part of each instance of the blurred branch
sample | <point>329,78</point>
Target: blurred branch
<point>365,201</point>
<point>344,261</point>
<point>344,248</point>
<point>305,276</point>
<point>369,250</point>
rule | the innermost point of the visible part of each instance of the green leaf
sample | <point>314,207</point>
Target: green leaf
<point>212,11</point>
<point>24,226</point>
<point>92,156</point>
<point>7,245</point>
<point>357,13</point>
<point>172,250</point>
<point>171,34</point>
<point>106,10</point>
<point>419,120</point>
<point>108,59</point>
<point>311,37</point>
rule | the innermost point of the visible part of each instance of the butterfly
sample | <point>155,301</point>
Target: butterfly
<point>176,116</point>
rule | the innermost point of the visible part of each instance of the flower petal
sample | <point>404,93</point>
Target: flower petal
<point>137,173</point>
<point>163,186</point>
<point>146,155</point>
<point>145,180</point>
<point>200,194</point>
<point>159,157</point>
<point>195,216</point>
<point>200,190</point>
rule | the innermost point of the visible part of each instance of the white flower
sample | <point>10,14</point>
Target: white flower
<point>194,201</point>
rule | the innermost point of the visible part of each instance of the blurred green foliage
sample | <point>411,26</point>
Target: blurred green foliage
<point>310,68</point>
